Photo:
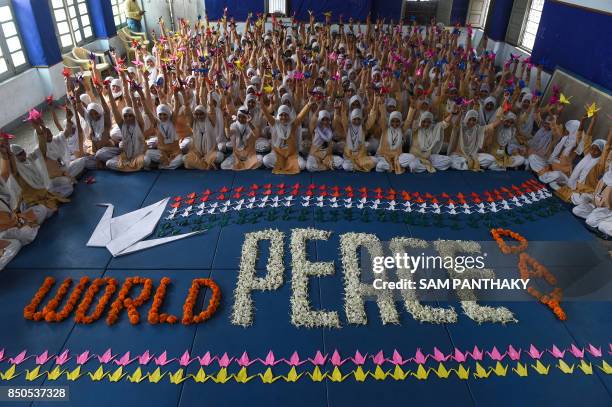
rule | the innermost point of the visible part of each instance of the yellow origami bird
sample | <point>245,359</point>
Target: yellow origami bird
<point>565,100</point>
<point>592,109</point>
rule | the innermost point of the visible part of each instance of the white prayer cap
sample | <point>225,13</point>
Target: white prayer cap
<point>127,110</point>
<point>322,70</point>
<point>572,126</point>
<point>16,149</point>
<point>255,80</point>
<point>283,109</point>
<point>215,96</point>
<point>131,69</point>
<point>319,89</point>
<point>356,114</point>
<point>84,97</point>
<point>391,102</point>
<point>199,108</point>
<point>527,96</point>
<point>116,82</point>
<point>395,115</point>
<point>425,116</point>
<point>599,143</point>
<point>323,114</point>
<point>251,89</point>
<point>95,106</point>
<point>250,97</point>
<point>471,114</point>
<point>149,58</point>
<point>355,98</point>
<point>244,111</point>
<point>251,71</point>
<point>164,108</point>
<point>490,99</point>
<point>287,98</point>
<point>509,116</point>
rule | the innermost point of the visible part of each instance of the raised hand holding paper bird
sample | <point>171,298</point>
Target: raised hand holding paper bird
<point>592,109</point>
<point>565,100</point>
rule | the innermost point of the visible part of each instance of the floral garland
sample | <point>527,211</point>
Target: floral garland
<point>29,312</point>
<point>131,305</point>
<point>498,235</point>
<point>354,289</point>
<point>420,312</point>
<point>476,312</point>
<point>242,313</point>
<point>154,317</point>
<point>302,313</point>
<point>551,300</point>
<point>81,313</point>
<point>49,310</point>
<point>213,304</point>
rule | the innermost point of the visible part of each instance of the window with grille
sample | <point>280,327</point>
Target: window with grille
<point>118,13</point>
<point>531,23</point>
<point>12,56</point>
<point>277,6</point>
<point>72,22</point>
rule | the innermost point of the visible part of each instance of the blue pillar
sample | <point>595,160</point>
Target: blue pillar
<point>459,11</point>
<point>37,30</point>
<point>102,19</point>
<point>498,19</point>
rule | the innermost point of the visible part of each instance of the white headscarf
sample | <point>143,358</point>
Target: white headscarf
<point>505,134</point>
<point>132,139</point>
<point>540,142</point>
<point>485,115</point>
<point>585,166</point>
<point>355,137</point>
<point>471,139</point>
<point>241,131</point>
<point>167,129</point>
<point>566,145</point>
<point>280,131</point>
<point>117,82</point>
<point>204,135</point>
<point>33,170</point>
<point>97,126</point>
<point>430,139</point>
<point>395,137</point>
<point>10,194</point>
<point>322,134</point>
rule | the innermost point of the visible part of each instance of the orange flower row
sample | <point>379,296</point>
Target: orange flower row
<point>29,312</point>
<point>49,310</point>
<point>530,267</point>
<point>123,301</point>
<point>154,316</point>
<point>131,305</point>
<point>213,304</point>
<point>81,314</point>
<point>498,234</point>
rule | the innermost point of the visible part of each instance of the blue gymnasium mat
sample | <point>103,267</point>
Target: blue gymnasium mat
<point>215,254</point>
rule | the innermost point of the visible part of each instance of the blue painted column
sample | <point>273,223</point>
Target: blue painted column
<point>102,20</point>
<point>498,19</point>
<point>37,32</point>
<point>459,11</point>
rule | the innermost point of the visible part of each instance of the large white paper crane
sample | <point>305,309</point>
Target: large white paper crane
<point>124,234</point>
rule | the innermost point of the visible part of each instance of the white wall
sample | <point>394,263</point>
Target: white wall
<point>30,88</point>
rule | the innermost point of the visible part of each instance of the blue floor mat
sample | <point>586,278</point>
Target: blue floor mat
<point>171,184</point>
<point>60,251</point>
<point>68,230</point>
